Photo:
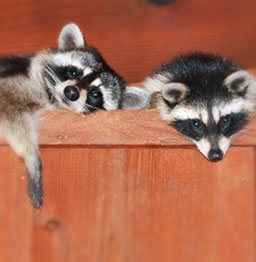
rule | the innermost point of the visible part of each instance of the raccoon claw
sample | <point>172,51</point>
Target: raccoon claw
<point>37,201</point>
<point>36,194</point>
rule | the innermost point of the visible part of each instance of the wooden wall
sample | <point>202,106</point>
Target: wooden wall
<point>134,36</point>
<point>122,186</point>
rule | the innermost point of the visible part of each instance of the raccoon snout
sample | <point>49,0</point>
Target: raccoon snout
<point>215,154</point>
<point>71,93</point>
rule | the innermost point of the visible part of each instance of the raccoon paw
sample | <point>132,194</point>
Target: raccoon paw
<point>36,194</point>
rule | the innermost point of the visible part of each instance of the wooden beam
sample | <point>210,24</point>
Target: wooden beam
<point>116,128</point>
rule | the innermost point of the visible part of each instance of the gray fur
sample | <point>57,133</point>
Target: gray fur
<point>71,38</point>
<point>32,82</point>
<point>135,98</point>
<point>203,89</point>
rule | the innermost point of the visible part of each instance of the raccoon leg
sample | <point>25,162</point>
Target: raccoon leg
<point>35,186</point>
<point>21,135</point>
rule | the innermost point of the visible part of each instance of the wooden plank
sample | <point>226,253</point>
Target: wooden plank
<point>115,128</point>
<point>235,193</point>
<point>112,205</point>
<point>16,218</point>
<point>131,204</point>
<point>134,36</point>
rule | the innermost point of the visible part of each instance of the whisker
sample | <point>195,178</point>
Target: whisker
<point>52,74</point>
<point>87,108</point>
<point>93,107</point>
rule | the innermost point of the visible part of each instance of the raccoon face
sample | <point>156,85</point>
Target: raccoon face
<point>210,123</point>
<point>210,128</point>
<point>209,116</point>
<point>78,78</point>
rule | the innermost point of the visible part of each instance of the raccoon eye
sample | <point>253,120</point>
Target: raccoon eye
<point>225,120</point>
<point>192,128</point>
<point>224,123</point>
<point>196,123</point>
<point>95,93</point>
<point>232,123</point>
<point>73,72</point>
<point>197,126</point>
<point>95,97</point>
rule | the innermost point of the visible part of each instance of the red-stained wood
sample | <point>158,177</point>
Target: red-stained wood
<point>117,128</point>
<point>123,186</point>
<point>124,209</point>
<point>135,204</point>
<point>235,202</point>
<point>135,36</point>
<point>16,213</point>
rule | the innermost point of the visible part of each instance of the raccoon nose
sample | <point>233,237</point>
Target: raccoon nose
<point>71,93</point>
<point>215,154</point>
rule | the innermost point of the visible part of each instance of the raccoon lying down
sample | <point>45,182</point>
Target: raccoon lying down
<point>74,76</point>
<point>205,97</point>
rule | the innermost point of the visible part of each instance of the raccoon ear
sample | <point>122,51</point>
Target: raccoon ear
<point>71,37</point>
<point>174,92</point>
<point>135,98</point>
<point>238,82</point>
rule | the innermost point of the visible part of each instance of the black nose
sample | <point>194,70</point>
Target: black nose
<point>71,93</point>
<point>215,154</point>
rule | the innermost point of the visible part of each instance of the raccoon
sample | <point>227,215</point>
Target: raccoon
<point>205,97</point>
<point>74,76</point>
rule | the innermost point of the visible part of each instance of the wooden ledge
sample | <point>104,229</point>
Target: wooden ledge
<point>119,127</point>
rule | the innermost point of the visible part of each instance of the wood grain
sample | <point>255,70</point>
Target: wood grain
<point>15,210</point>
<point>123,186</point>
<point>134,36</point>
<point>133,204</point>
<point>235,201</point>
<point>116,128</point>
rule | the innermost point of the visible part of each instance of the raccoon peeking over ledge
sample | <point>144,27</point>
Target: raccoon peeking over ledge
<point>74,76</point>
<point>205,97</point>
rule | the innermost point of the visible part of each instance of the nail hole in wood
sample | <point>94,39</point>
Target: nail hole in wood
<point>52,225</point>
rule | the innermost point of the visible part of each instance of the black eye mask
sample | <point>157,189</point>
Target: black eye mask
<point>63,73</point>
<point>230,124</point>
<point>95,98</point>
<point>192,128</point>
